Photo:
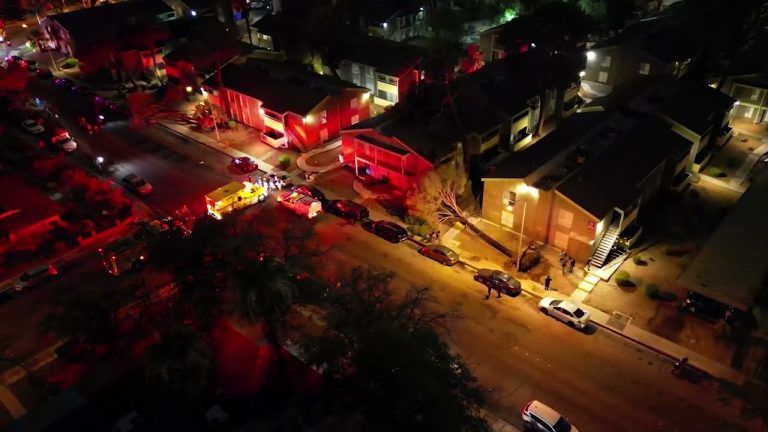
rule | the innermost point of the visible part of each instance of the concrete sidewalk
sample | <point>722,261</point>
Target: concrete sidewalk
<point>321,159</point>
<point>616,323</point>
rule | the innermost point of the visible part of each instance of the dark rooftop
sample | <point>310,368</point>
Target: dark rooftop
<point>756,80</point>
<point>526,162</point>
<point>388,57</point>
<point>432,139</point>
<point>95,21</point>
<point>378,11</point>
<point>695,106</point>
<point>266,25</point>
<point>658,37</point>
<point>280,87</point>
<point>611,178</point>
<point>24,207</point>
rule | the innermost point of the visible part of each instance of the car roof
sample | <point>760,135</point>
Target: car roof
<point>444,249</point>
<point>570,307</point>
<point>131,177</point>
<point>544,412</point>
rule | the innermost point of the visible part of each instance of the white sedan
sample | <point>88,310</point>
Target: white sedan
<point>565,311</point>
<point>32,126</point>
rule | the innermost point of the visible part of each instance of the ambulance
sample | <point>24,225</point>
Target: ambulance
<point>234,196</point>
<point>300,204</point>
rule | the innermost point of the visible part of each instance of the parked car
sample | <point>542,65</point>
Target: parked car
<point>442,254</point>
<point>310,191</point>
<point>712,310</point>
<point>35,276</point>
<point>499,281</point>
<point>347,209</point>
<point>540,417</point>
<point>64,142</point>
<point>64,83</point>
<point>137,184</point>
<point>564,311</point>
<point>244,165</point>
<point>387,230</point>
<point>32,126</point>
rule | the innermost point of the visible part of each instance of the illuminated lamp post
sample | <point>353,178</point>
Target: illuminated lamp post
<point>521,190</point>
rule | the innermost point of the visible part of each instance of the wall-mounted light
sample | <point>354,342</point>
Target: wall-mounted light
<point>582,73</point>
<point>188,89</point>
<point>194,13</point>
<point>384,25</point>
<point>591,55</point>
<point>365,97</point>
<point>307,119</point>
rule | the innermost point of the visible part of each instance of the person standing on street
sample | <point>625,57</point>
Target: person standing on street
<point>589,263</point>
<point>571,264</point>
<point>563,264</point>
<point>547,283</point>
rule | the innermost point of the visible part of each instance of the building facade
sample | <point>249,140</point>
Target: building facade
<point>290,107</point>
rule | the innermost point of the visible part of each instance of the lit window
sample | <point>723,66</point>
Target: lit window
<point>355,119</point>
<point>323,117</point>
<point>755,94</point>
<point>645,68</point>
<point>606,61</point>
<point>603,77</point>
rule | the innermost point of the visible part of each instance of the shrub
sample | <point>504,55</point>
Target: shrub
<point>69,63</point>
<point>284,161</point>
<point>652,291</point>
<point>714,171</point>
<point>418,226</point>
<point>622,278</point>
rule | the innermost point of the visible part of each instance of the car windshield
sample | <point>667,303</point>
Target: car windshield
<point>562,425</point>
<point>579,313</point>
<point>555,303</point>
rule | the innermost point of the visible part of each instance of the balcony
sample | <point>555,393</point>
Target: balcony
<point>274,138</point>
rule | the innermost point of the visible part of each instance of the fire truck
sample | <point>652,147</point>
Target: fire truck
<point>234,196</point>
<point>300,204</point>
<point>123,256</point>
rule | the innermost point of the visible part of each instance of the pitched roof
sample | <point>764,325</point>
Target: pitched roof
<point>282,88</point>
<point>387,57</point>
<point>433,139</point>
<point>611,178</point>
<point>266,25</point>
<point>94,21</point>
<point>23,207</point>
<point>533,159</point>
<point>659,37</point>
<point>696,106</point>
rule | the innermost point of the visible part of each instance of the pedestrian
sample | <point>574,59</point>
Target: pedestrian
<point>571,264</point>
<point>487,296</point>
<point>547,283</point>
<point>563,264</point>
<point>437,235</point>
<point>562,256</point>
<point>589,263</point>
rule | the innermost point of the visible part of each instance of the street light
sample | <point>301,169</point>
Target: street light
<point>99,160</point>
<point>521,189</point>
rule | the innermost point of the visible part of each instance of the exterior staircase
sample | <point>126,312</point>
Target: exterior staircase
<point>603,251</point>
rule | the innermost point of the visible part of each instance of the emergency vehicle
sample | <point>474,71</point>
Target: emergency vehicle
<point>234,196</point>
<point>300,204</point>
<point>123,256</point>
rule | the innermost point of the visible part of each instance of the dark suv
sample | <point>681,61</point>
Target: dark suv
<point>348,210</point>
<point>310,191</point>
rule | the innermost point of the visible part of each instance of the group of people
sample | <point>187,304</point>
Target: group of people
<point>567,262</point>
<point>271,182</point>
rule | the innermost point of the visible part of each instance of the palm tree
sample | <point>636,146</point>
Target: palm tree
<point>180,365</point>
<point>263,292</point>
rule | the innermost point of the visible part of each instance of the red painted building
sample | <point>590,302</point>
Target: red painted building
<point>292,107</point>
<point>399,149</point>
